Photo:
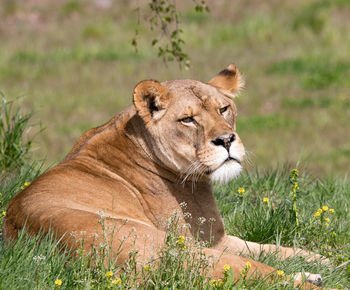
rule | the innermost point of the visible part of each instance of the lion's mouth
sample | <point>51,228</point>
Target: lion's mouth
<point>209,171</point>
<point>232,158</point>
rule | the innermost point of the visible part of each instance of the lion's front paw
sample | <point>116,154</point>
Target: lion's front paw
<point>315,279</point>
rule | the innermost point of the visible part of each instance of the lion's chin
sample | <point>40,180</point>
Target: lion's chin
<point>226,172</point>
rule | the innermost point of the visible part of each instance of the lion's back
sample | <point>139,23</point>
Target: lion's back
<point>67,190</point>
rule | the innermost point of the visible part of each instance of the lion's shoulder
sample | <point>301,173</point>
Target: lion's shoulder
<point>88,135</point>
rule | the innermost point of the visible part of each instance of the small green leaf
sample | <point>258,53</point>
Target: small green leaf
<point>199,8</point>
<point>154,42</point>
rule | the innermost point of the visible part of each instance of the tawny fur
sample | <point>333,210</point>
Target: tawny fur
<point>140,167</point>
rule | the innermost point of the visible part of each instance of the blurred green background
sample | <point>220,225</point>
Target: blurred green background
<point>74,65</point>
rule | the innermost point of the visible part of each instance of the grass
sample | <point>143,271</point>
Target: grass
<point>14,148</point>
<point>266,122</point>
<point>296,107</point>
<point>273,207</point>
<point>37,262</point>
<point>295,64</point>
<point>40,263</point>
<point>316,73</point>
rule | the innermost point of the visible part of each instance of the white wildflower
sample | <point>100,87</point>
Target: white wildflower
<point>201,220</point>
<point>187,215</point>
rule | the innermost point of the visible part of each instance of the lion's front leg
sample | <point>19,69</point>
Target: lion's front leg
<point>256,269</point>
<point>239,246</point>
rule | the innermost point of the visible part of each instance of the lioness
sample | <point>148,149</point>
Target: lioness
<point>163,151</point>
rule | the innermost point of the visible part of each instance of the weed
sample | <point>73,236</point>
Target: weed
<point>14,149</point>
<point>293,178</point>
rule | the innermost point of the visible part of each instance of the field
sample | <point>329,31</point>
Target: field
<point>72,64</point>
<point>293,54</point>
<point>263,213</point>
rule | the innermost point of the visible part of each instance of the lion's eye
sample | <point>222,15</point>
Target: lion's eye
<point>188,120</point>
<point>223,110</point>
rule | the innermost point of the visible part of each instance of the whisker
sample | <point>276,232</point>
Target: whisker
<point>200,172</point>
<point>248,158</point>
<point>185,173</point>
<point>196,176</point>
<point>190,170</point>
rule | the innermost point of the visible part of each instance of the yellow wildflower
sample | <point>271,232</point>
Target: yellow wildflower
<point>26,183</point>
<point>294,172</point>
<point>180,240</point>
<point>21,187</point>
<point>241,190</point>
<point>316,214</point>
<point>246,269</point>
<point>327,225</point>
<point>280,273</point>
<point>226,267</point>
<point>296,186</point>
<point>331,210</point>
<point>4,213</point>
<point>109,274</point>
<point>320,210</point>
<point>214,282</point>
<point>146,267</point>
<point>116,281</point>
<point>324,208</point>
<point>327,220</point>
<point>220,283</point>
<point>58,282</point>
<point>266,199</point>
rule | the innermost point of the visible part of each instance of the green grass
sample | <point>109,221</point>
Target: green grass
<point>316,73</point>
<point>14,147</point>
<point>35,262</point>
<point>296,106</point>
<point>256,207</point>
<point>266,122</point>
<point>75,79</point>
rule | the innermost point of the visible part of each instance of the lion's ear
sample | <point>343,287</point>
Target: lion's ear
<point>150,100</point>
<point>229,81</point>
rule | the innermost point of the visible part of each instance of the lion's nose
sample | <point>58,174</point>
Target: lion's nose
<point>225,141</point>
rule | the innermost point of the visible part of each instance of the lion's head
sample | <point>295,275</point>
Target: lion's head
<point>192,125</point>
